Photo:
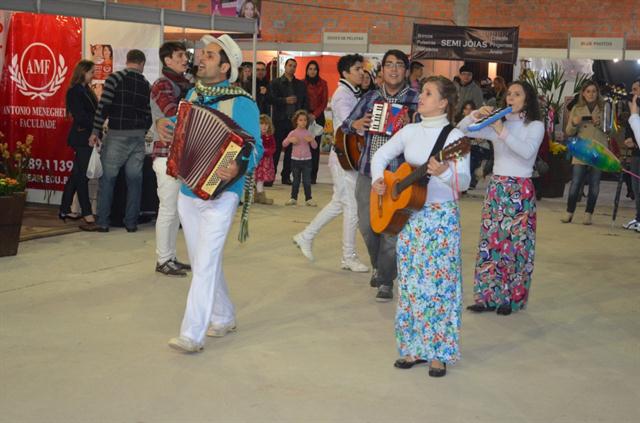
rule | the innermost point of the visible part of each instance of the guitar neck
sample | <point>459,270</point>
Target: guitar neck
<point>416,175</point>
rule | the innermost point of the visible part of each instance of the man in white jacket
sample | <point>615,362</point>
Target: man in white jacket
<point>344,181</point>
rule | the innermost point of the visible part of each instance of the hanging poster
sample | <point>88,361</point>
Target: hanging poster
<point>40,56</point>
<point>464,43</point>
<point>249,9</point>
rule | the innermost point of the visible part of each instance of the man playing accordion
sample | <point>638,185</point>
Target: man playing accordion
<point>206,223</point>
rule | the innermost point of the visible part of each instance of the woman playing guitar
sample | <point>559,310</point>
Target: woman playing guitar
<point>508,230</point>
<point>428,247</point>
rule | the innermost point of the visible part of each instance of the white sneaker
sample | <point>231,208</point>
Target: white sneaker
<point>184,344</point>
<point>354,264</point>
<point>304,245</point>
<point>633,224</point>
<point>220,331</point>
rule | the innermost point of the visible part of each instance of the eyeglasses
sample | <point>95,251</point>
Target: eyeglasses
<point>397,65</point>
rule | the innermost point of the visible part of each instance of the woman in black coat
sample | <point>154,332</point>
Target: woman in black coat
<point>81,106</point>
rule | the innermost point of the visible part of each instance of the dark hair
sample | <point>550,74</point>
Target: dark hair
<point>531,107</point>
<point>261,63</point>
<point>225,59</point>
<point>346,62</point>
<point>447,91</point>
<point>415,65</point>
<point>460,115</point>
<point>290,60</point>
<point>398,54</point>
<point>108,47</point>
<point>77,77</point>
<point>136,56</point>
<point>167,49</point>
<point>316,78</point>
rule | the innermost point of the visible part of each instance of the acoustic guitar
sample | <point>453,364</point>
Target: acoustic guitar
<point>406,191</point>
<point>348,147</point>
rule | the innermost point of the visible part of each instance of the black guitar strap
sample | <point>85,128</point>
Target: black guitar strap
<point>442,138</point>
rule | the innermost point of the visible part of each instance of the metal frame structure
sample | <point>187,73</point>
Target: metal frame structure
<point>103,9</point>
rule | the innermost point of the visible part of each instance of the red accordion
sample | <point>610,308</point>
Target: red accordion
<point>388,118</point>
<point>204,141</point>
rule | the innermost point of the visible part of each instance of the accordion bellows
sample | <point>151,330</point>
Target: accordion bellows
<point>204,141</point>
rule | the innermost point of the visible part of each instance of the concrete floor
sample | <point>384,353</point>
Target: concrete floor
<point>84,322</point>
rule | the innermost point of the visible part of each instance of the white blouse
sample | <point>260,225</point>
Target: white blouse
<point>416,141</point>
<point>634,123</point>
<point>515,149</point>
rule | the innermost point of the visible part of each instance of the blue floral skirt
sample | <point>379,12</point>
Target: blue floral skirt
<point>430,284</point>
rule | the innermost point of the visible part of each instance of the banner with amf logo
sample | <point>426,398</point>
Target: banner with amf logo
<point>41,52</point>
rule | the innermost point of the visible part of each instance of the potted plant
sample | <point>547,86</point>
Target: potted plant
<point>13,183</point>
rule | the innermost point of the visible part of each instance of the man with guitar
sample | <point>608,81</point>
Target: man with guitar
<point>344,181</point>
<point>394,89</point>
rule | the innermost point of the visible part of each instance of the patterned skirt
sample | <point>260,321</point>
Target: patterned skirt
<point>507,243</point>
<point>430,284</point>
<point>265,171</point>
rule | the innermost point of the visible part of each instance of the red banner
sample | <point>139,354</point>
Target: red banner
<point>41,53</point>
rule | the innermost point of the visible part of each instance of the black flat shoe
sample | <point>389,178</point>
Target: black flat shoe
<point>480,308</point>
<point>403,363</point>
<point>433,372</point>
<point>70,216</point>
<point>504,310</point>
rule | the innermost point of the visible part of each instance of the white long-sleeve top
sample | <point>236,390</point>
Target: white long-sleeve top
<point>343,101</point>
<point>515,148</point>
<point>634,123</point>
<point>416,141</point>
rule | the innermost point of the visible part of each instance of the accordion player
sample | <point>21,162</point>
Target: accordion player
<point>204,141</point>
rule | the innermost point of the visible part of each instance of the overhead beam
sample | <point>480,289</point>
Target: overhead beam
<point>130,13</point>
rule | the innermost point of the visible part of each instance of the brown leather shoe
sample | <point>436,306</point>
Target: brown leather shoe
<point>92,227</point>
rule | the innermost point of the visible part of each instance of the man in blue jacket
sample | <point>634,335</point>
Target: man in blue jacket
<point>206,224</point>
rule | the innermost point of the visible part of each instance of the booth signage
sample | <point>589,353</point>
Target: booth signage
<point>464,43</point>
<point>587,43</point>
<point>349,38</point>
<point>41,52</point>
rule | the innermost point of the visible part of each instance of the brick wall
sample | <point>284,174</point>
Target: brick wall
<point>547,23</point>
<point>543,23</point>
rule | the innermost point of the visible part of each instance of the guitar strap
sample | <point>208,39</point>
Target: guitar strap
<point>442,138</point>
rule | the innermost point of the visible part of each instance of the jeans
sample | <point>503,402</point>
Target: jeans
<point>167,223</point>
<point>381,247</point>
<point>78,183</point>
<point>580,173</point>
<point>301,168</point>
<point>118,151</point>
<point>635,183</point>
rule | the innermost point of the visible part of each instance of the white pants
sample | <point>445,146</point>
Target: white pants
<point>343,201</point>
<point>206,225</point>
<point>168,222</point>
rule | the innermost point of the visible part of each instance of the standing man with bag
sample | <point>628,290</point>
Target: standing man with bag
<point>125,102</point>
<point>166,93</point>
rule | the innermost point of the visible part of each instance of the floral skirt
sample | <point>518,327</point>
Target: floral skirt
<point>507,243</point>
<point>265,171</point>
<point>430,284</point>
